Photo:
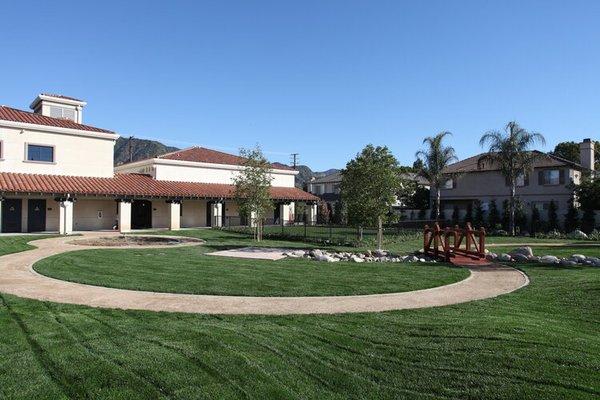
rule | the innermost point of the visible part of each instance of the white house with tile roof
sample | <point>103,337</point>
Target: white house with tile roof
<point>57,174</point>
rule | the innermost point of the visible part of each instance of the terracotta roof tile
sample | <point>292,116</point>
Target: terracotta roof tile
<point>201,154</point>
<point>13,114</point>
<point>129,185</point>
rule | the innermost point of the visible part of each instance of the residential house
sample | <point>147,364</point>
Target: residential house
<point>57,174</point>
<point>550,180</point>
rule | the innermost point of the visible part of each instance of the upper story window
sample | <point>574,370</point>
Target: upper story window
<point>62,112</point>
<point>336,188</point>
<point>318,189</point>
<point>36,152</point>
<point>450,184</point>
<point>551,177</point>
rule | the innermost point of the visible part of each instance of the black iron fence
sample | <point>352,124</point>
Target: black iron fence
<point>328,233</point>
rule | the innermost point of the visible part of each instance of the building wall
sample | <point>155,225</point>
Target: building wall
<point>215,173</point>
<point>93,215</point>
<point>160,214</point>
<point>194,213</point>
<point>73,155</point>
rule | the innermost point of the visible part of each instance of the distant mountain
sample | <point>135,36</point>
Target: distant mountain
<point>140,149</point>
<point>306,174</point>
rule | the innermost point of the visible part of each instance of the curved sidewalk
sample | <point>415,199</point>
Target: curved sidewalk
<point>18,278</point>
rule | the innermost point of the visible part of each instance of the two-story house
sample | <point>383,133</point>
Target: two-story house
<point>550,180</point>
<point>57,174</point>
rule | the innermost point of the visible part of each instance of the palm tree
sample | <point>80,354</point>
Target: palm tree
<point>511,153</point>
<point>434,159</point>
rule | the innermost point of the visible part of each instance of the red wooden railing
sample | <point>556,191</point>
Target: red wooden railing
<point>449,242</point>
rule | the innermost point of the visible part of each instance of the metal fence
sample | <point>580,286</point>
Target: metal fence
<point>332,233</point>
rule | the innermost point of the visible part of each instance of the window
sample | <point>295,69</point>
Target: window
<point>550,177</point>
<point>40,153</point>
<point>521,180</point>
<point>449,184</point>
<point>63,113</point>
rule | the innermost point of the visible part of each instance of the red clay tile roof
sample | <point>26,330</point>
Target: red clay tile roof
<point>201,154</point>
<point>60,96</point>
<point>129,185</point>
<point>12,114</point>
<point>470,164</point>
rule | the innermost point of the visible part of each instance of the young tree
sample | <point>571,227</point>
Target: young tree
<point>479,218</point>
<point>520,217</point>
<point>494,218</point>
<point>571,218</point>
<point>536,221</point>
<point>455,215</point>
<point>434,160</point>
<point>323,214</point>
<point>252,187</point>
<point>552,216</point>
<point>511,153</point>
<point>469,214</point>
<point>369,186</point>
<point>505,215</point>
<point>588,195</point>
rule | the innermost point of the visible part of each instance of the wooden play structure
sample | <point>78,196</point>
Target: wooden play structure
<point>456,245</point>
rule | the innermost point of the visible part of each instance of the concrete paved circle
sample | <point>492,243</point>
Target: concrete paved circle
<point>17,277</point>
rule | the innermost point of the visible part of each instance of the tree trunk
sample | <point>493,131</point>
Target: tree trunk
<point>379,233</point>
<point>511,223</point>
<point>438,196</point>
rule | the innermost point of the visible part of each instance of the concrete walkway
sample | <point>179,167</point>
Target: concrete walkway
<point>18,278</point>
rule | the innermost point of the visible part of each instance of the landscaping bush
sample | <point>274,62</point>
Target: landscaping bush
<point>571,218</point>
<point>494,218</point>
<point>552,216</point>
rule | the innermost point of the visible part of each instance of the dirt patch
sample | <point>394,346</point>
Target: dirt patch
<point>121,241</point>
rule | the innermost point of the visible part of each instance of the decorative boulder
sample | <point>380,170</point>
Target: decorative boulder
<point>504,257</point>
<point>577,257</point>
<point>525,250</point>
<point>568,263</point>
<point>520,257</point>
<point>577,234</point>
<point>357,259</point>
<point>549,260</point>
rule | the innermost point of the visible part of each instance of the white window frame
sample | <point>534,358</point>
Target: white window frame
<point>449,184</point>
<point>62,113</point>
<point>520,181</point>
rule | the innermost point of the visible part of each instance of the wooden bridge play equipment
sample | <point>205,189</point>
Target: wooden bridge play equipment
<point>447,244</point>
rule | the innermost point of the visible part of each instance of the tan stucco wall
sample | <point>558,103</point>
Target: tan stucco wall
<point>86,214</point>
<point>73,155</point>
<point>194,213</point>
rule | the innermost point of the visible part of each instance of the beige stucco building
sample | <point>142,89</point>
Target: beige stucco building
<point>552,179</point>
<point>57,174</point>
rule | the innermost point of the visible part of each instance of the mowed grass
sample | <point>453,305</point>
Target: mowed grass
<point>15,244</point>
<point>540,342</point>
<point>191,270</point>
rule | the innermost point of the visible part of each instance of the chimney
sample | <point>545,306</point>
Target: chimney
<point>58,106</point>
<point>586,151</point>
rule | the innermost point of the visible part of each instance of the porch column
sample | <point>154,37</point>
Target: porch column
<point>217,214</point>
<point>311,213</point>
<point>65,215</point>
<point>124,215</point>
<point>174,214</point>
<point>282,213</point>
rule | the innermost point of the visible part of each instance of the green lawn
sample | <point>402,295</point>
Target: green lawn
<point>15,244</point>
<point>189,270</point>
<point>541,342</point>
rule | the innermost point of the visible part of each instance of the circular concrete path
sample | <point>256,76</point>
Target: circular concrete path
<point>17,277</point>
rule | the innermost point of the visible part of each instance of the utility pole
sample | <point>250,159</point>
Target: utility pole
<point>130,148</point>
<point>295,159</point>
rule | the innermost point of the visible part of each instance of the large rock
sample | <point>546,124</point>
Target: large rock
<point>520,257</point>
<point>525,250</point>
<point>380,253</point>
<point>356,259</point>
<point>577,257</point>
<point>549,260</point>
<point>568,263</point>
<point>504,258</point>
<point>577,234</point>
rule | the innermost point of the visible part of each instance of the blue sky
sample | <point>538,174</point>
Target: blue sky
<point>320,78</point>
